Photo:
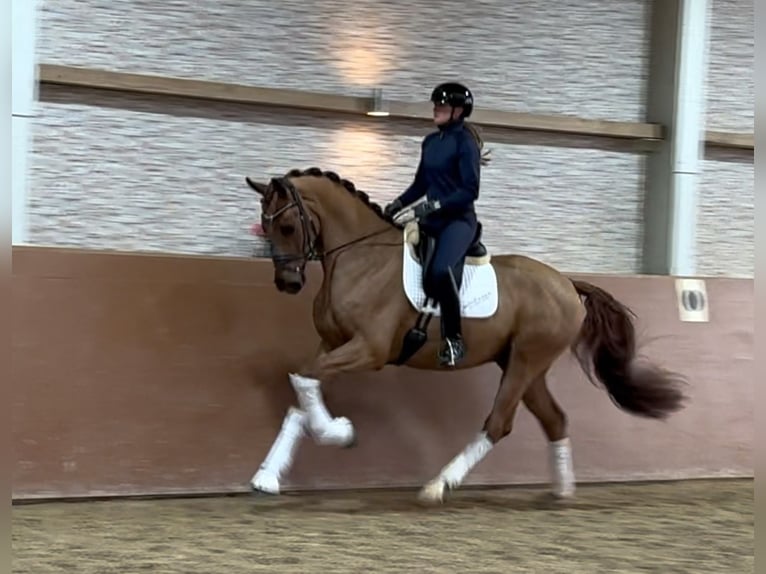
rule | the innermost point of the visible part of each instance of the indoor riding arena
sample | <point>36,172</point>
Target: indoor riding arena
<point>153,353</point>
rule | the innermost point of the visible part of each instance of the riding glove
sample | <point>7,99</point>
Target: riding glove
<point>392,208</point>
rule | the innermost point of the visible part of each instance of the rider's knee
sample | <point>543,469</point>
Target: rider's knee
<point>443,281</point>
<point>441,274</point>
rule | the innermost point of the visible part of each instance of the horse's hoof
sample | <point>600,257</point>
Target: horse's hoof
<point>353,442</point>
<point>432,493</point>
<point>559,498</point>
<point>263,495</point>
<point>563,492</point>
<point>264,483</point>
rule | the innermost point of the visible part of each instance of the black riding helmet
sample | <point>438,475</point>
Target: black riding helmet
<point>454,94</point>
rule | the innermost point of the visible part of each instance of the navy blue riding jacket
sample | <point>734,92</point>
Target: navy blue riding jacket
<point>448,171</point>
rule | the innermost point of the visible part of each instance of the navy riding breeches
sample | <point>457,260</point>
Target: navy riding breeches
<point>452,243</point>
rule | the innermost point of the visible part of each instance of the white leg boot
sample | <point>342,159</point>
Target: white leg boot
<point>452,475</point>
<point>280,457</point>
<point>562,469</point>
<point>325,429</point>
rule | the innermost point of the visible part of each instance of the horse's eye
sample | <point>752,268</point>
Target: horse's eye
<point>287,229</point>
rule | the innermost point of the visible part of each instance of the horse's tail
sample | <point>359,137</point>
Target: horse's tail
<point>606,346</point>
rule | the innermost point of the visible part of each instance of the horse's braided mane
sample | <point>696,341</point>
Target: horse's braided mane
<point>348,185</point>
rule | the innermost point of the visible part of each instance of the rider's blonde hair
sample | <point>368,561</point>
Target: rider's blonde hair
<point>476,133</point>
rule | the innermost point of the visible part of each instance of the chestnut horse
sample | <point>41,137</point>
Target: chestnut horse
<point>365,321</point>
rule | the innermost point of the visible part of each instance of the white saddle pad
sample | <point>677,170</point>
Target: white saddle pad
<point>478,291</point>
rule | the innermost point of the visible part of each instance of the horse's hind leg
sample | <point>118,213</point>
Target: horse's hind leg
<point>523,368</point>
<point>543,406</point>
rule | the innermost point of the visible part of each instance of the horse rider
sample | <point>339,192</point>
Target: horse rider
<point>448,175</point>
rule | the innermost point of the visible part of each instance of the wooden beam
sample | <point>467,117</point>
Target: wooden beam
<point>200,89</point>
<point>730,139</point>
<point>299,99</point>
<point>319,101</point>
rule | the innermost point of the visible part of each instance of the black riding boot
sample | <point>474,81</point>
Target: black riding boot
<point>453,348</point>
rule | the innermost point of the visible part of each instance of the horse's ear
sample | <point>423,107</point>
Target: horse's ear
<point>278,184</point>
<point>260,188</point>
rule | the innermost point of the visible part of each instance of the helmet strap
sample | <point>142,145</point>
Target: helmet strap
<point>452,118</point>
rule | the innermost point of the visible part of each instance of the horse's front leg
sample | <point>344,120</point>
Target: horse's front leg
<point>356,355</point>
<point>313,416</point>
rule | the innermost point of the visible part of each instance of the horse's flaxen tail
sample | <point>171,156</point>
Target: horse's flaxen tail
<point>606,347</point>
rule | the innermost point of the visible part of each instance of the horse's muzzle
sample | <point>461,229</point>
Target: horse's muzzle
<point>289,281</point>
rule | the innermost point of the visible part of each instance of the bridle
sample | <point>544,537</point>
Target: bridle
<point>309,250</point>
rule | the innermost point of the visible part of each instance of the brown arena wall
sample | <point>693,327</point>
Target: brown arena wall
<point>150,374</point>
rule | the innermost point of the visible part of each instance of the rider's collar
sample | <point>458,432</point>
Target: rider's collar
<point>451,125</point>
